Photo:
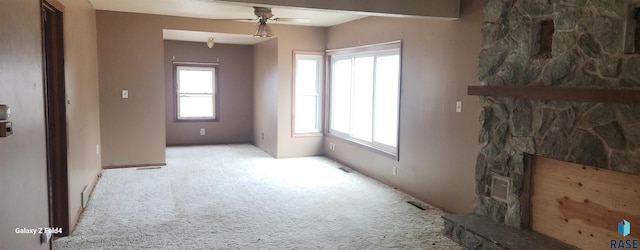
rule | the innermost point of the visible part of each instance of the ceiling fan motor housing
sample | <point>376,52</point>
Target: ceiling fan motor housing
<point>263,12</point>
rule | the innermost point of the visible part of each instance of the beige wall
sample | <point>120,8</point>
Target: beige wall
<point>23,169</point>
<point>273,84</point>
<point>265,94</point>
<point>131,57</point>
<point>83,119</point>
<point>292,38</point>
<point>23,181</point>
<point>438,146</point>
<point>130,51</point>
<point>235,86</point>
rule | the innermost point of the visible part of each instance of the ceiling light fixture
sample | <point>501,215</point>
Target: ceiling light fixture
<point>210,42</point>
<point>263,29</point>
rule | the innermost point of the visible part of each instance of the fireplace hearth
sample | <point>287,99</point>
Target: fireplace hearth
<point>479,232</point>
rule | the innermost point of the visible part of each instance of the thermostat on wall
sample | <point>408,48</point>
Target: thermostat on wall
<point>5,129</point>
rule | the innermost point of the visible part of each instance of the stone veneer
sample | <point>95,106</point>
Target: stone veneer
<point>593,48</point>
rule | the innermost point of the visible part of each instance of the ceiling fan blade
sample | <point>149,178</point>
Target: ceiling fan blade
<point>235,19</point>
<point>292,20</point>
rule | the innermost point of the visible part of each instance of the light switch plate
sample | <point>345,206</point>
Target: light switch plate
<point>125,94</point>
<point>459,106</point>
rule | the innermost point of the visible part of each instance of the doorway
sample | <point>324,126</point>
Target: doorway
<point>55,115</point>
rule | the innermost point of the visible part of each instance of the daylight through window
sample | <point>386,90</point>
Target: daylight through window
<point>196,92</point>
<point>308,93</point>
<point>365,95</point>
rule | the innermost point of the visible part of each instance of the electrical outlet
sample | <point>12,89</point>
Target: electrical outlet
<point>459,106</point>
<point>202,132</point>
<point>395,170</point>
<point>332,146</point>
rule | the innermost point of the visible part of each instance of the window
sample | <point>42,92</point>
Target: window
<point>365,96</point>
<point>307,89</point>
<point>196,92</point>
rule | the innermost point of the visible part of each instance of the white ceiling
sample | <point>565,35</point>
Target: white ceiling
<point>199,36</point>
<point>212,9</point>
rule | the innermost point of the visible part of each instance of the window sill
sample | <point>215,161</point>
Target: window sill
<point>390,155</point>
<point>196,120</point>
<point>311,134</point>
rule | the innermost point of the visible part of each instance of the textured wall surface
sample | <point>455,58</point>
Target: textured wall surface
<point>235,93</point>
<point>130,50</point>
<point>590,48</point>
<point>83,112</point>
<point>23,169</point>
<point>437,145</point>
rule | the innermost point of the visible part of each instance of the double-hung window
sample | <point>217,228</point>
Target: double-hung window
<point>196,92</point>
<point>365,95</point>
<point>307,88</point>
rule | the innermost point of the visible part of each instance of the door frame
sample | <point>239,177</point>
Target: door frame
<point>55,115</point>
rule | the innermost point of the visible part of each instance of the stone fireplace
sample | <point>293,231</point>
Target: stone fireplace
<point>547,45</point>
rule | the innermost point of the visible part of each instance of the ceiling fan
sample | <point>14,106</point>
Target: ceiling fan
<point>263,15</point>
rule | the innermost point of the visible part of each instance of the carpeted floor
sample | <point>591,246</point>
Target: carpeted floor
<point>238,197</point>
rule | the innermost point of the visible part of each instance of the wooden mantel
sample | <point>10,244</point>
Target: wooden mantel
<point>615,96</point>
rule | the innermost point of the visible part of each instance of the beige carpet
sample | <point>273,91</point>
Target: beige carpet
<point>238,197</point>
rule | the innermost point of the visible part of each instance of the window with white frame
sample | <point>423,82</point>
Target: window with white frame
<point>196,93</point>
<point>307,89</point>
<point>365,95</point>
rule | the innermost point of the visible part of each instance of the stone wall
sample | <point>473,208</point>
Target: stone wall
<point>592,46</point>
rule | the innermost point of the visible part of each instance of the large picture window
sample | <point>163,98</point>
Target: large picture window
<point>365,95</point>
<point>196,92</point>
<point>307,89</point>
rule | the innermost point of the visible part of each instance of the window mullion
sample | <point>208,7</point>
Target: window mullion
<point>351,94</point>
<point>373,102</point>
<point>331,94</point>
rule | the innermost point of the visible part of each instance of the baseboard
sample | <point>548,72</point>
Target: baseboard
<point>74,223</point>
<point>134,166</point>
<point>188,144</point>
